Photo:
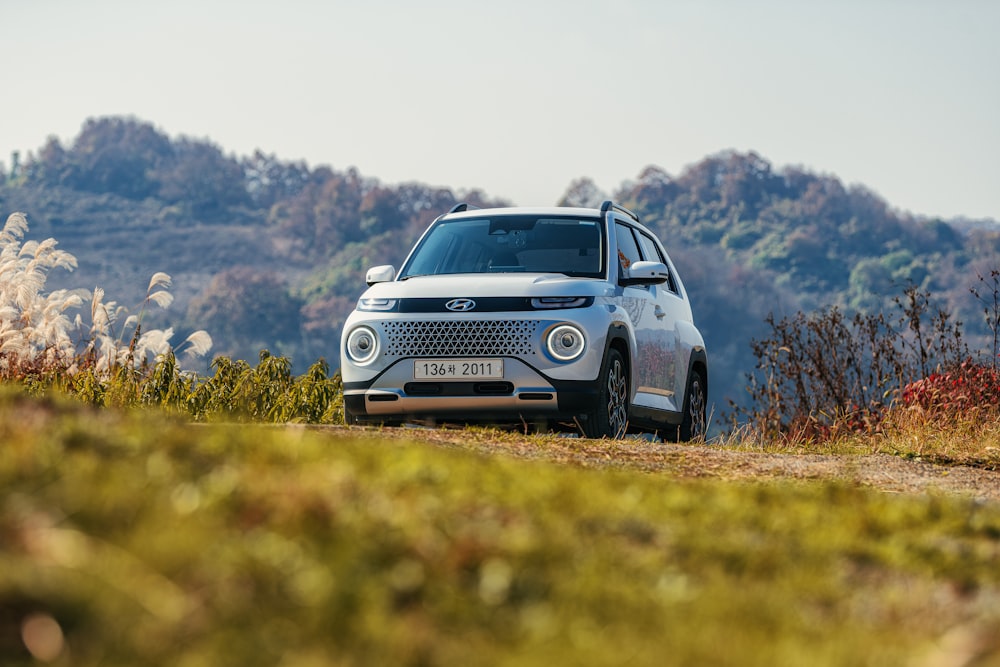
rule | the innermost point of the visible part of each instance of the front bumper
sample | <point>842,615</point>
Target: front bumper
<point>524,393</point>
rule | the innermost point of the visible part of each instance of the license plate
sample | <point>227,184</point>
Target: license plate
<point>458,369</point>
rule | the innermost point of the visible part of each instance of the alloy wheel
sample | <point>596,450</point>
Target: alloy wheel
<point>617,399</point>
<point>696,408</point>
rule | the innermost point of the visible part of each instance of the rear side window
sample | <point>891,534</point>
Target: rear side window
<point>650,252</point>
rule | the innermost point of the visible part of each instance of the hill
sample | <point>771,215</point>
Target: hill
<point>267,253</point>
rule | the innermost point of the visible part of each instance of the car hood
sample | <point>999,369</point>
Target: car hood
<point>488,285</point>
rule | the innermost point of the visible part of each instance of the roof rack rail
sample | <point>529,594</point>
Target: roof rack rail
<point>463,206</point>
<point>608,205</point>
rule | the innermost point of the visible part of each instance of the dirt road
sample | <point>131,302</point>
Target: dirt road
<point>887,473</point>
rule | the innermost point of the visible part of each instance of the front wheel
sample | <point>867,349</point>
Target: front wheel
<point>610,418</point>
<point>695,421</point>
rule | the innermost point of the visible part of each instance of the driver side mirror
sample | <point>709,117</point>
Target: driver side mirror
<point>380,274</point>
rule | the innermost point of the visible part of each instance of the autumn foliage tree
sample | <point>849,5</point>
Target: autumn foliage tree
<point>134,160</point>
<point>248,310</point>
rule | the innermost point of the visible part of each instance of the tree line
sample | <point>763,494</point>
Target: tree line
<point>282,247</point>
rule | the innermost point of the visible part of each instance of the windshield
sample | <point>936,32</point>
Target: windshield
<point>509,244</point>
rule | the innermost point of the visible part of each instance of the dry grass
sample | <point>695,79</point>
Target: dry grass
<point>972,439</point>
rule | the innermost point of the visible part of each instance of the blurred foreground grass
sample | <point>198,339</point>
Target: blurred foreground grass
<point>135,540</point>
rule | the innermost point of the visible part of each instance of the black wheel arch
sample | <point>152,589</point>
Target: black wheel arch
<point>618,339</point>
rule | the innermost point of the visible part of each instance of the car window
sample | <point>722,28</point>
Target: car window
<point>628,251</point>
<point>651,252</point>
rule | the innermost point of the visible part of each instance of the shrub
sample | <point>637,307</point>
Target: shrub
<point>268,393</point>
<point>968,390</point>
<point>237,391</point>
<point>821,374</point>
<point>991,307</point>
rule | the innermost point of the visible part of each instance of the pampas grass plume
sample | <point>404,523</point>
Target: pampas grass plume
<point>37,334</point>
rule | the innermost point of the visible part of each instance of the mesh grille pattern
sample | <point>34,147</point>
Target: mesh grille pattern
<point>460,338</point>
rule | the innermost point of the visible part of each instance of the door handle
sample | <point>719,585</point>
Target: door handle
<point>659,312</point>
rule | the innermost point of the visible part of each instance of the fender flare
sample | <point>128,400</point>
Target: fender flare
<point>619,332</point>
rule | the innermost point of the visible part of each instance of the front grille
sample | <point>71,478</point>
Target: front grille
<point>450,338</point>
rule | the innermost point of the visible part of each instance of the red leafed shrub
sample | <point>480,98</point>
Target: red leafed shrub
<point>967,388</point>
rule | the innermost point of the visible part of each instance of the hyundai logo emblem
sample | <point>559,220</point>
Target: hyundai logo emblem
<point>460,305</point>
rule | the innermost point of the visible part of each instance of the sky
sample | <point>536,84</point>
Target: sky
<point>519,98</point>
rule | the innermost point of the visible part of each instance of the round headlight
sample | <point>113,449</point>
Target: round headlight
<point>565,342</point>
<point>362,345</point>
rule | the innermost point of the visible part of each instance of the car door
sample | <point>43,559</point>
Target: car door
<point>650,308</point>
<point>662,378</point>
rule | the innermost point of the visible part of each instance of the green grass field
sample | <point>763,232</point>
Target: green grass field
<point>136,539</point>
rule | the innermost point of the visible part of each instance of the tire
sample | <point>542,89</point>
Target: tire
<point>695,423</point>
<point>610,418</point>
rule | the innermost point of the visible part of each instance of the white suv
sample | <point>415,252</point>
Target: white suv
<point>569,316</point>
